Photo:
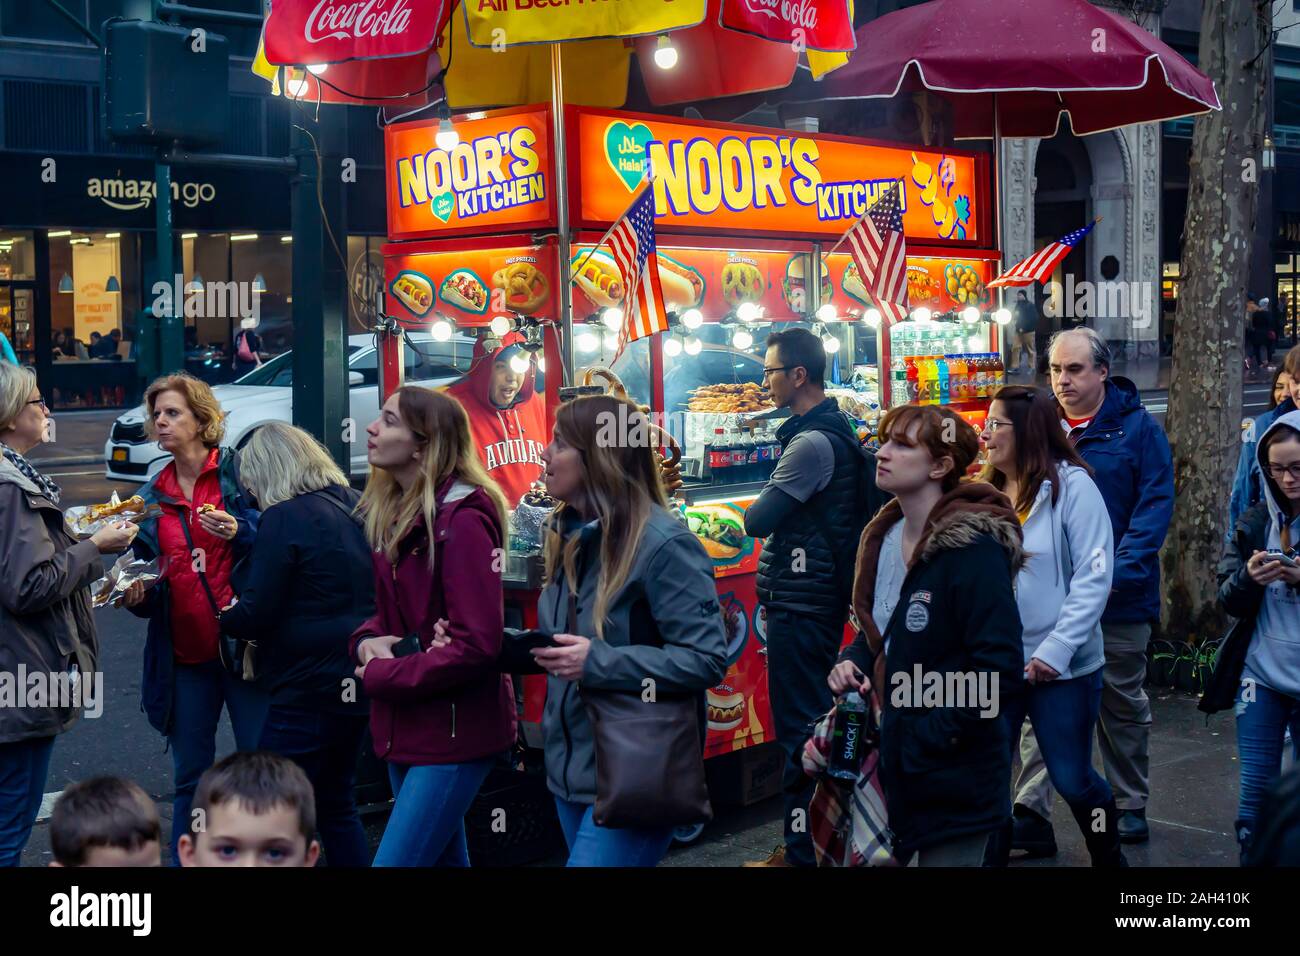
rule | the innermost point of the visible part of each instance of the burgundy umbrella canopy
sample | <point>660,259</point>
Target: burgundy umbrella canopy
<point>1034,59</point>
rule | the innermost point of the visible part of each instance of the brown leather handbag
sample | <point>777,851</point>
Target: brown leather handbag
<point>649,756</point>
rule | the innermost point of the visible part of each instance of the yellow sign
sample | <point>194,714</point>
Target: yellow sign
<point>499,23</point>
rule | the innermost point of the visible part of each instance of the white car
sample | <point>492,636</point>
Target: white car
<point>266,395</point>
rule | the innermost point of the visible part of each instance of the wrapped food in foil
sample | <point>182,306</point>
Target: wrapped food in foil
<point>85,520</point>
<point>126,571</point>
<point>529,518</point>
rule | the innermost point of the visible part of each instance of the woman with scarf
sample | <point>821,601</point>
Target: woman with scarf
<point>46,625</point>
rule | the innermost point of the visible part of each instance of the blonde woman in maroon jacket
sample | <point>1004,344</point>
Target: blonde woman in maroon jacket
<point>441,714</point>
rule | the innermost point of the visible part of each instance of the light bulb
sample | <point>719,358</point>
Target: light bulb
<point>672,346</point>
<point>692,318</point>
<point>610,341</point>
<point>500,325</point>
<point>519,364</point>
<point>872,318</point>
<point>922,314</point>
<point>296,87</point>
<point>447,138</point>
<point>441,330</point>
<point>612,318</point>
<point>588,342</point>
<point>830,343</point>
<point>827,313</point>
<point>692,345</point>
<point>742,340</point>
<point>665,53</point>
<point>748,312</point>
<point>317,69</point>
<point>1002,316</point>
<point>970,314</point>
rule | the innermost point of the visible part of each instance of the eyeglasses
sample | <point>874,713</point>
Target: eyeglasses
<point>779,368</point>
<point>40,402</point>
<point>991,425</point>
<point>1277,471</point>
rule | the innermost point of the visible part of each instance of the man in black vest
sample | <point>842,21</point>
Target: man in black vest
<point>812,513</point>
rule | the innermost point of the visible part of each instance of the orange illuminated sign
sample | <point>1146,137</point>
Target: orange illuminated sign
<point>497,178</point>
<point>767,181</point>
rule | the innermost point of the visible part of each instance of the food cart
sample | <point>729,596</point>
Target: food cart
<point>746,220</point>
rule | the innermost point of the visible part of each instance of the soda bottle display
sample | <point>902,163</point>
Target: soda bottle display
<point>719,453</point>
<point>999,370</point>
<point>897,382</point>
<point>913,380</point>
<point>845,761</point>
<point>944,385</point>
<point>957,377</point>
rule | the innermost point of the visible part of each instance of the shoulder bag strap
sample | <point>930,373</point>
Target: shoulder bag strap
<point>203,578</point>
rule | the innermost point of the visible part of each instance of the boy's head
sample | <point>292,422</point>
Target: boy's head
<point>105,821</point>
<point>252,809</point>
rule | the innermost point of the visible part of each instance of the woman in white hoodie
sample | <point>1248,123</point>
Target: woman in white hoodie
<point>1061,592</point>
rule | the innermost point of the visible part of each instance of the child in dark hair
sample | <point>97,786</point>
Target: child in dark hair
<point>105,821</point>
<point>252,809</point>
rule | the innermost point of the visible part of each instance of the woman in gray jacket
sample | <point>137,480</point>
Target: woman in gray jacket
<point>647,608</point>
<point>46,628</point>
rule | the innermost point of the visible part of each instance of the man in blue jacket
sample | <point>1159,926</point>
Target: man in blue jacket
<point>1133,469</point>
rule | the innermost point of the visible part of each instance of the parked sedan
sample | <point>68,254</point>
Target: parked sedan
<point>266,395</point>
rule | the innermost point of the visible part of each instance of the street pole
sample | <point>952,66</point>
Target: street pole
<point>170,326</point>
<point>320,385</point>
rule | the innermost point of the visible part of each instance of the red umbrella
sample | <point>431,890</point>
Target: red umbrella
<point>1034,59</point>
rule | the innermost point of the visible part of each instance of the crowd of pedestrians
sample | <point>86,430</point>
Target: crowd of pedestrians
<point>311,615</point>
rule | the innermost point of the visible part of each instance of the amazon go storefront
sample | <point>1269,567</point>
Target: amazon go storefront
<point>76,267</point>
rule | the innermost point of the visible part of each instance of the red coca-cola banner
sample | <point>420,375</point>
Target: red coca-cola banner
<point>807,24</point>
<point>306,32</point>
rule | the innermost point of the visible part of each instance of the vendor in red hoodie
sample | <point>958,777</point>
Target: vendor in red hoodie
<point>439,716</point>
<point>507,417</point>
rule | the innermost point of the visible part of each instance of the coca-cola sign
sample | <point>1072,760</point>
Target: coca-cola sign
<point>341,20</point>
<point>807,24</point>
<point>300,32</point>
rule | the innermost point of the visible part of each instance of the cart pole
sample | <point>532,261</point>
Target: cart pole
<point>564,253</point>
<point>1002,233</point>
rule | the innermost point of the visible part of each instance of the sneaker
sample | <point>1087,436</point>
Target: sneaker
<point>1133,827</point>
<point>777,858</point>
<point>1033,833</point>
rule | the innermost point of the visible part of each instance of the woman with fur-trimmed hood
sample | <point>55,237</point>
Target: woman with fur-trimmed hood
<point>940,636</point>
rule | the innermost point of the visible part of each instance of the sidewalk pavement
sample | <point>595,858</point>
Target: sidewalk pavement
<point>78,439</point>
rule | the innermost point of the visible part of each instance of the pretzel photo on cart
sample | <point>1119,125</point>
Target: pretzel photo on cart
<point>670,464</point>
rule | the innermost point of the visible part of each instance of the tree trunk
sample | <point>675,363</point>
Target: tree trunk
<point>1204,418</point>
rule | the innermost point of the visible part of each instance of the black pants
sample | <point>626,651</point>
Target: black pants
<point>801,650</point>
<point>327,747</point>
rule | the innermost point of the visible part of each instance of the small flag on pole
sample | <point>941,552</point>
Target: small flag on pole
<point>1039,266</point>
<point>632,240</point>
<point>880,253</point>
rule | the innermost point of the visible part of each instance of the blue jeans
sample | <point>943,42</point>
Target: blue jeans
<point>327,746</point>
<point>201,691</point>
<point>23,767</point>
<point>427,825</point>
<point>592,845</point>
<point>1261,727</point>
<point>1064,715</point>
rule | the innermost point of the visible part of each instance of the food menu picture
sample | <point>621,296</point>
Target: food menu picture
<point>715,281</point>
<point>469,286</point>
<point>940,284</point>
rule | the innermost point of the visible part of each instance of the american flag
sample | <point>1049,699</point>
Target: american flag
<point>633,243</point>
<point>1039,266</point>
<point>880,253</point>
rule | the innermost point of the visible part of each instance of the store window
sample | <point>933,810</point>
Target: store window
<point>94,297</point>
<point>235,282</point>
<point>17,256</point>
<point>1288,286</point>
<point>18,294</point>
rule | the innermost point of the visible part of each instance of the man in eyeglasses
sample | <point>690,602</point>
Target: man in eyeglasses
<point>811,514</point>
<point>1133,469</point>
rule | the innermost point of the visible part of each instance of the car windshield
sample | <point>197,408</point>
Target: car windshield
<point>427,360</point>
